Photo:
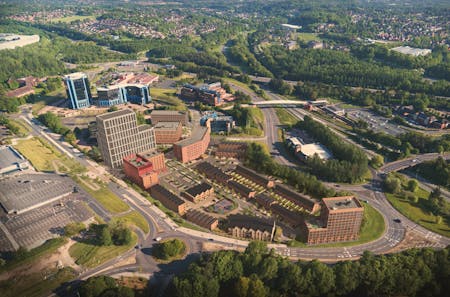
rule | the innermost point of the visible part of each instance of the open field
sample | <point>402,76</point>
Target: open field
<point>371,229</point>
<point>307,37</point>
<point>23,128</point>
<point>34,285</point>
<point>136,219</point>
<point>418,212</point>
<point>44,157</point>
<point>89,255</point>
<point>103,195</point>
<point>167,96</point>
<point>72,18</point>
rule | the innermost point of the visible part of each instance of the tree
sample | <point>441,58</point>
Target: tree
<point>105,236</point>
<point>377,161</point>
<point>102,286</point>
<point>73,228</point>
<point>392,184</point>
<point>438,220</point>
<point>413,185</point>
<point>256,287</point>
<point>241,286</point>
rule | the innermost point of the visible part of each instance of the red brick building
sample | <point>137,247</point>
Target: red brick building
<point>340,220</point>
<point>143,168</point>
<point>192,148</point>
<point>299,199</point>
<point>231,150</point>
<point>199,192</point>
<point>168,132</point>
<point>202,219</point>
<point>168,199</point>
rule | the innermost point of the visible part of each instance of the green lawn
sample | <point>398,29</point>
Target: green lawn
<point>285,117</point>
<point>168,97</point>
<point>103,195</point>
<point>418,212</point>
<point>72,18</point>
<point>89,255</point>
<point>44,157</point>
<point>43,100</point>
<point>136,219</point>
<point>372,228</point>
<point>34,285</point>
<point>308,37</point>
<point>23,128</point>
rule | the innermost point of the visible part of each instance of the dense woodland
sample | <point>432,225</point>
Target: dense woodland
<point>436,170</point>
<point>257,159</point>
<point>258,273</point>
<point>349,162</point>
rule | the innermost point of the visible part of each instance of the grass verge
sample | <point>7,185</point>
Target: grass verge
<point>89,255</point>
<point>169,97</point>
<point>285,117</point>
<point>35,285</point>
<point>103,195</point>
<point>136,219</point>
<point>418,212</point>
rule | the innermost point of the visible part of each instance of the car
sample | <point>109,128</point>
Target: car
<point>158,239</point>
<point>210,239</point>
<point>397,220</point>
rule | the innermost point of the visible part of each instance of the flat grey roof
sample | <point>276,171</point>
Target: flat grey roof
<point>110,115</point>
<point>345,202</point>
<point>25,192</point>
<point>197,135</point>
<point>167,112</point>
<point>9,156</point>
<point>167,125</point>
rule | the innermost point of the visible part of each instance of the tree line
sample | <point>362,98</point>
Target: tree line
<point>258,272</point>
<point>257,159</point>
<point>349,162</point>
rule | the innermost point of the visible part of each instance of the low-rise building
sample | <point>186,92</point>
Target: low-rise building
<point>231,150</point>
<point>340,220</point>
<point>257,178</point>
<point>212,94</point>
<point>217,122</point>
<point>212,172</point>
<point>168,199</point>
<point>199,192</point>
<point>168,132</point>
<point>241,189</point>
<point>11,160</point>
<point>169,116</point>
<point>202,219</point>
<point>253,228</point>
<point>265,200</point>
<point>193,147</point>
<point>290,217</point>
<point>156,158</point>
<point>301,200</point>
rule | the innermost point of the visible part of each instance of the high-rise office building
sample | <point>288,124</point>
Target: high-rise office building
<point>118,136</point>
<point>119,94</point>
<point>78,90</point>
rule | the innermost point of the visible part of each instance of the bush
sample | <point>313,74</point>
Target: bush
<point>73,228</point>
<point>169,249</point>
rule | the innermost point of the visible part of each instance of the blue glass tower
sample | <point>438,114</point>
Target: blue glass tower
<point>78,90</point>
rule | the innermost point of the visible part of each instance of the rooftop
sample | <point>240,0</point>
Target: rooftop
<point>345,202</point>
<point>197,135</point>
<point>315,148</point>
<point>27,191</point>
<point>200,217</point>
<point>286,191</point>
<point>166,193</point>
<point>198,189</point>
<point>243,221</point>
<point>170,126</point>
<point>167,112</point>
<point>115,114</point>
<point>137,161</point>
<point>149,154</point>
<point>240,187</point>
<point>75,75</point>
<point>9,156</point>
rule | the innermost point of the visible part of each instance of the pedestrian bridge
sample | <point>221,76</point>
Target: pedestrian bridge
<point>289,102</point>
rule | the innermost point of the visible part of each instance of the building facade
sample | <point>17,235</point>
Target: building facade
<point>168,199</point>
<point>199,192</point>
<point>254,228</point>
<point>78,90</point>
<point>202,219</point>
<point>144,170</point>
<point>168,132</point>
<point>169,116</point>
<point>118,136</point>
<point>340,220</point>
<point>120,94</point>
<point>192,148</point>
<point>231,150</point>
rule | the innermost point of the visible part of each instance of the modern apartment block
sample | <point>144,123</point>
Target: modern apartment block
<point>340,220</point>
<point>120,94</point>
<point>231,150</point>
<point>78,90</point>
<point>301,200</point>
<point>202,219</point>
<point>169,116</point>
<point>192,148</point>
<point>119,135</point>
<point>257,178</point>
<point>199,192</point>
<point>143,168</point>
<point>168,132</point>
